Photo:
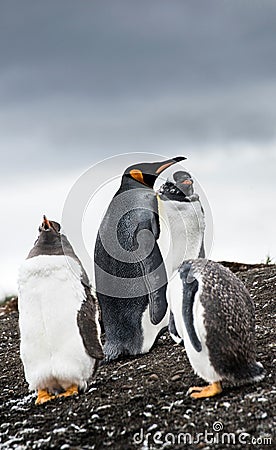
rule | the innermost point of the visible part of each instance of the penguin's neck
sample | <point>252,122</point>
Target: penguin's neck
<point>47,245</point>
<point>49,239</point>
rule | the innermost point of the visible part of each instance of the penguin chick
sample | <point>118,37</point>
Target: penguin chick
<point>214,315</point>
<point>182,225</point>
<point>58,318</point>
<point>181,211</point>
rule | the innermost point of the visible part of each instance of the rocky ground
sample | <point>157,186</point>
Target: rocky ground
<point>141,403</point>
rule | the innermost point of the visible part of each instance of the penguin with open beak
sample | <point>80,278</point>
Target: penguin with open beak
<point>130,275</point>
<point>182,214</point>
<point>58,318</point>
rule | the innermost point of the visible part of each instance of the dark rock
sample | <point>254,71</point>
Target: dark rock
<point>132,400</point>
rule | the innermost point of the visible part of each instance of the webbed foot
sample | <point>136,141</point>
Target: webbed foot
<point>205,391</point>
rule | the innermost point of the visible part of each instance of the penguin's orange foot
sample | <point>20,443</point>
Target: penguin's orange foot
<point>205,391</point>
<point>43,396</point>
<point>72,390</point>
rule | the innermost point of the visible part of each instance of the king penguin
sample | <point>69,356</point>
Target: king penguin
<point>130,276</point>
<point>182,225</point>
<point>214,314</point>
<point>58,318</point>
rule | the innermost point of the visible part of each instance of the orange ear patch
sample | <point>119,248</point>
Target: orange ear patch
<point>137,175</point>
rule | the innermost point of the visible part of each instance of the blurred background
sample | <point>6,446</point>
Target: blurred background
<point>84,81</point>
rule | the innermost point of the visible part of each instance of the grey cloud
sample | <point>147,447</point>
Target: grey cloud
<point>109,48</point>
<point>82,80</point>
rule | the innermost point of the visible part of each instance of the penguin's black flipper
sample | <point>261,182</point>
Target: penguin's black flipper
<point>202,253</point>
<point>149,259</point>
<point>155,273</point>
<point>158,305</point>
<point>202,250</point>
<point>190,287</point>
<point>87,324</point>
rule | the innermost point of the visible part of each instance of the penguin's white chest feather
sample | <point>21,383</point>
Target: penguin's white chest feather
<point>181,232</point>
<point>50,296</point>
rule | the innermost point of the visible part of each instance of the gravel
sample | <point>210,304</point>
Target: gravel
<point>141,403</point>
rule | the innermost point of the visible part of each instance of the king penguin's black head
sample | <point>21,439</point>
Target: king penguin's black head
<point>146,173</point>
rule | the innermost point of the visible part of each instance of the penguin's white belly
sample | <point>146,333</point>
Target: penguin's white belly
<point>200,361</point>
<point>50,296</point>
<point>185,222</point>
<point>150,331</point>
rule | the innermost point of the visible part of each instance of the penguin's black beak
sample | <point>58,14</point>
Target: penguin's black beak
<point>146,173</point>
<point>165,164</point>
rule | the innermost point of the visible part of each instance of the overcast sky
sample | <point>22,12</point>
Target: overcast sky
<point>82,81</point>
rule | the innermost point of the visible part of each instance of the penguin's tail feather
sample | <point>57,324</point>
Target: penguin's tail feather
<point>257,371</point>
<point>253,373</point>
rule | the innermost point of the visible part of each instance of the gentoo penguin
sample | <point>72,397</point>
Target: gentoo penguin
<point>182,225</point>
<point>58,318</point>
<point>130,275</point>
<point>214,314</point>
